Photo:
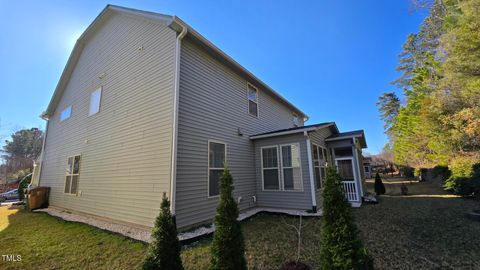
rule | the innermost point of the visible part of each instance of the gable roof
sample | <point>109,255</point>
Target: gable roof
<point>294,130</point>
<point>360,134</point>
<point>175,24</point>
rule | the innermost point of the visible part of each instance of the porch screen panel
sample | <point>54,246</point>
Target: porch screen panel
<point>345,169</point>
<point>270,168</point>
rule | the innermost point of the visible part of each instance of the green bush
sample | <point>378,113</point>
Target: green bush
<point>407,171</point>
<point>379,186</point>
<point>228,248</point>
<point>441,171</point>
<point>464,180</point>
<point>340,246</point>
<point>164,250</point>
<point>24,182</point>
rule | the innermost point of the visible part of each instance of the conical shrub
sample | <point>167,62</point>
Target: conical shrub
<point>379,186</point>
<point>228,248</point>
<point>164,250</point>
<point>340,246</point>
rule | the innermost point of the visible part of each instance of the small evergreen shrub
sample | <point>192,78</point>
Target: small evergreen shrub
<point>379,186</point>
<point>164,250</point>
<point>340,246</point>
<point>228,248</point>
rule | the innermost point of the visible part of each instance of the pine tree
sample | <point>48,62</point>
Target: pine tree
<point>228,250</point>
<point>164,250</point>
<point>379,186</point>
<point>340,246</point>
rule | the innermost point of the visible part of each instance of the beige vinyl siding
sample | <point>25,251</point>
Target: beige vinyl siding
<point>126,146</point>
<point>284,199</point>
<point>318,137</point>
<point>213,104</point>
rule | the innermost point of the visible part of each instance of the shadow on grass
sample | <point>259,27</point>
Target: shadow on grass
<point>44,242</point>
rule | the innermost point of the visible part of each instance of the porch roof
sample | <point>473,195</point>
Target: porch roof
<point>360,134</point>
<point>293,130</point>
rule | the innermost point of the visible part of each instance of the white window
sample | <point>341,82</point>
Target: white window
<point>252,100</point>
<point>319,162</point>
<point>65,114</point>
<point>291,172</point>
<point>73,173</point>
<point>95,98</point>
<point>217,153</point>
<point>295,120</point>
<point>270,175</point>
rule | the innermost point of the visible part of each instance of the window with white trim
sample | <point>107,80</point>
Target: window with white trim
<point>65,114</point>
<point>291,172</point>
<point>217,153</point>
<point>270,174</point>
<point>252,93</point>
<point>319,161</point>
<point>95,98</point>
<point>72,175</point>
<point>295,120</point>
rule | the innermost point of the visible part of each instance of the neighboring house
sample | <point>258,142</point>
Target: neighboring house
<point>367,167</point>
<point>147,106</point>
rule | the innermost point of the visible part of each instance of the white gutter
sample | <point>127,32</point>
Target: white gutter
<point>173,173</point>
<point>310,171</point>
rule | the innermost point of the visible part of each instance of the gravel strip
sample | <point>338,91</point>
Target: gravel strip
<point>144,234</point>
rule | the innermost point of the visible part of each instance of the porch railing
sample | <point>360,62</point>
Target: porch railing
<point>350,190</point>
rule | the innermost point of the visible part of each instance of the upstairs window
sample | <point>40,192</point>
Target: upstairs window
<point>65,114</point>
<point>216,164</point>
<point>295,120</point>
<point>73,173</point>
<point>252,100</point>
<point>95,98</point>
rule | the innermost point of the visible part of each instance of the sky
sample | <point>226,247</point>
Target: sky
<point>331,59</point>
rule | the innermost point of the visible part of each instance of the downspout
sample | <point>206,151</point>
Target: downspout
<point>42,154</point>
<point>310,172</point>
<point>173,173</point>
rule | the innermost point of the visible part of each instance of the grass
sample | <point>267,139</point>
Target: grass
<point>425,230</point>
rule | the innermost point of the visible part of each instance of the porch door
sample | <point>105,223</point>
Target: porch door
<point>346,171</point>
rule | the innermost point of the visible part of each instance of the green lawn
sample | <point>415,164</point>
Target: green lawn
<point>427,230</point>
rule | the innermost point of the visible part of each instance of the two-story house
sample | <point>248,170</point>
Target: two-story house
<point>146,106</point>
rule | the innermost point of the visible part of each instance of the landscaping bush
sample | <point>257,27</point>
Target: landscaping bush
<point>407,171</point>
<point>379,186</point>
<point>441,171</point>
<point>340,246</point>
<point>164,250</point>
<point>228,248</point>
<point>465,177</point>
<point>24,182</point>
<point>293,265</point>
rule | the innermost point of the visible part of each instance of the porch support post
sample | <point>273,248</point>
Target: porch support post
<point>310,172</point>
<point>359,173</point>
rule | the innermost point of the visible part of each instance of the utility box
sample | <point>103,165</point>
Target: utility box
<point>38,197</point>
